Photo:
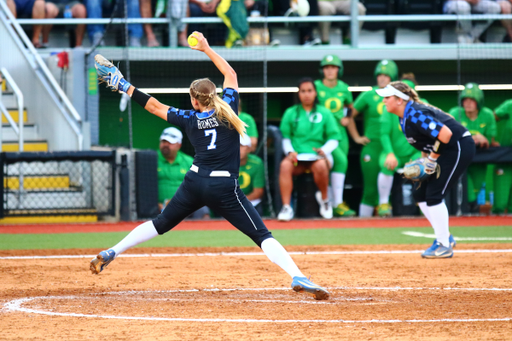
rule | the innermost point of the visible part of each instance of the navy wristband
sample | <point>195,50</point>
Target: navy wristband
<point>140,98</point>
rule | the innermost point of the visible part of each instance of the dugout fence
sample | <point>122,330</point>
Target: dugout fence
<point>58,183</point>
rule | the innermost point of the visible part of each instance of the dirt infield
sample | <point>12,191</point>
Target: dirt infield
<point>375,296</point>
<point>271,224</point>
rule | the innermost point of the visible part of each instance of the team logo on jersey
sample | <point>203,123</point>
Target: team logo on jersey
<point>432,125</point>
<point>244,179</point>
<point>367,158</point>
<point>464,124</point>
<point>316,117</point>
<point>207,123</point>
<point>376,98</point>
<point>321,93</point>
<point>183,171</point>
<point>334,104</point>
<point>340,94</point>
<point>380,108</point>
<point>482,125</point>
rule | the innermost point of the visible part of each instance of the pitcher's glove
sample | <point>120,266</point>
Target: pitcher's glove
<point>421,169</point>
<point>110,74</point>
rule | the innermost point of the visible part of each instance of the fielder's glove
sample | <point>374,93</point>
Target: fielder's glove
<point>421,169</point>
<point>110,74</point>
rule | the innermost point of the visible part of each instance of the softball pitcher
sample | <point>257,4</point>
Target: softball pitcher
<point>214,129</point>
<point>335,96</point>
<point>503,171</point>
<point>480,122</point>
<point>371,106</point>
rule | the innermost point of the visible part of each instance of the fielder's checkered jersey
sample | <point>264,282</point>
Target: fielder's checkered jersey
<point>421,125</point>
<point>216,146</point>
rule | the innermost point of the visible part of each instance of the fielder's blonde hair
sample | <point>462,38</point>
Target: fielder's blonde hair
<point>205,91</point>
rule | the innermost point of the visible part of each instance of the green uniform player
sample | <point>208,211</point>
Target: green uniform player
<point>310,135</point>
<point>371,106</point>
<point>251,174</point>
<point>251,129</point>
<point>480,121</point>
<point>335,96</point>
<point>171,175</point>
<point>503,171</point>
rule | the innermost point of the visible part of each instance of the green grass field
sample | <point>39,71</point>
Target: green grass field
<point>354,236</point>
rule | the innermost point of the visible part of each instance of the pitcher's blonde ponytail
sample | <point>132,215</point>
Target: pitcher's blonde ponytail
<point>204,91</point>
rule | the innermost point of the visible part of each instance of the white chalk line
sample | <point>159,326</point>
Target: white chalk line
<point>16,306</point>
<point>242,254</point>
<point>430,236</point>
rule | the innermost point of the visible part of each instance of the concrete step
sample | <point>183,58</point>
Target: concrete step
<point>30,132</point>
<point>37,182</point>
<point>14,115</point>
<point>28,146</point>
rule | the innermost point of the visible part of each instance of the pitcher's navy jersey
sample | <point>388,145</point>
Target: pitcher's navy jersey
<point>216,146</point>
<point>421,125</point>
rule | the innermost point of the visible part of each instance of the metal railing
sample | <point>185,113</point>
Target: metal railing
<point>37,63</point>
<point>18,129</point>
<point>354,20</point>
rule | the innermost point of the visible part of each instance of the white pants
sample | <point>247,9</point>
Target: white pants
<point>464,8</point>
<point>333,8</point>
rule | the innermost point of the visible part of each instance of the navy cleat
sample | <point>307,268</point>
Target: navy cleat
<point>452,241</point>
<point>438,251</point>
<point>103,259</point>
<point>303,284</point>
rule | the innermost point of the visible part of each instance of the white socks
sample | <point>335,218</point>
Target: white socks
<point>424,210</point>
<point>140,234</point>
<point>365,210</point>
<point>384,184</point>
<point>337,184</point>
<point>278,255</point>
<point>439,220</point>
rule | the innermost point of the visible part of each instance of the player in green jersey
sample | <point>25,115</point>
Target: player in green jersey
<point>335,96</point>
<point>503,171</point>
<point>371,106</point>
<point>396,151</point>
<point>251,175</point>
<point>310,135</point>
<point>480,122</point>
<point>251,129</point>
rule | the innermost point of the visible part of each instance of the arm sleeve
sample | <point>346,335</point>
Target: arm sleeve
<point>504,110</point>
<point>350,98</point>
<point>179,117</point>
<point>360,103</point>
<point>252,130</point>
<point>285,125</point>
<point>385,133</point>
<point>426,124</point>
<point>230,96</point>
<point>287,146</point>
<point>491,125</point>
<point>329,146</point>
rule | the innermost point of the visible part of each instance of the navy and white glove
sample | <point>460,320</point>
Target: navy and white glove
<point>110,74</point>
<point>421,169</point>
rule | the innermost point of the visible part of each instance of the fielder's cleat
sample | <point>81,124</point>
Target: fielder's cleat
<point>384,210</point>
<point>452,241</point>
<point>342,210</point>
<point>103,259</point>
<point>438,251</point>
<point>303,284</point>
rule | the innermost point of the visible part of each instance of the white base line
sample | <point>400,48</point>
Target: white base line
<point>241,254</point>
<point>16,305</point>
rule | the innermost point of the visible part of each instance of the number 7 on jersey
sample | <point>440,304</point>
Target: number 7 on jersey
<point>212,132</point>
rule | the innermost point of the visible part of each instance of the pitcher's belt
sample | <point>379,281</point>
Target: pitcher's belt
<point>213,173</point>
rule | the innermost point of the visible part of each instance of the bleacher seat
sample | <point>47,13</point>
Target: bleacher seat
<point>416,7</point>
<point>381,7</point>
